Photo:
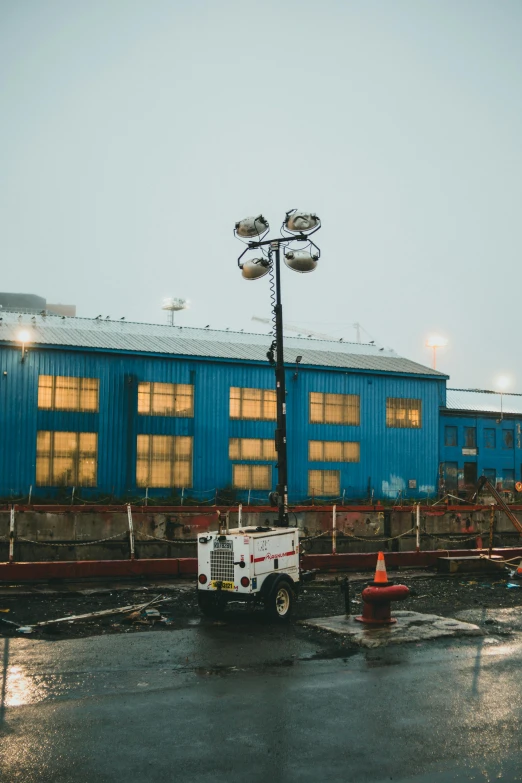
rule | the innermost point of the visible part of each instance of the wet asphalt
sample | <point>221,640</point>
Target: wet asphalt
<point>246,701</point>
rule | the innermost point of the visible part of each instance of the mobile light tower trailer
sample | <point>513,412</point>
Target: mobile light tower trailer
<point>258,565</point>
<point>261,564</point>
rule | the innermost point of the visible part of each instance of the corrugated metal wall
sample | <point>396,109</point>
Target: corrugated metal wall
<point>390,457</point>
<point>492,456</point>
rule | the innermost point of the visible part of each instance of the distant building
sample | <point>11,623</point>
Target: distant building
<point>480,435</point>
<point>30,303</point>
<point>22,302</point>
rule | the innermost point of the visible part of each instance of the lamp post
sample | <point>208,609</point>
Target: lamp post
<point>297,227</point>
<point>502,385</point>
<point>434,342</point>
<point>23,337</point>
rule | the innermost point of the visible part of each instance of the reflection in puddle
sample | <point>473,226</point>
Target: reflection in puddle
<point>17,688</point>
<point>20,689</point>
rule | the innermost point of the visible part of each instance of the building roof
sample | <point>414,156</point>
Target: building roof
<point>483,401</point>
<point>103,334</point>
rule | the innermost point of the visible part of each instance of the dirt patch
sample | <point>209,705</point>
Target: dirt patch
<point>429,593</point>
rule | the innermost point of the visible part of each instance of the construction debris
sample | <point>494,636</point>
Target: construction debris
<point>135,610</point>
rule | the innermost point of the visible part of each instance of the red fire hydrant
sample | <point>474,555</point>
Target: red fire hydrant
<point>378,595</point>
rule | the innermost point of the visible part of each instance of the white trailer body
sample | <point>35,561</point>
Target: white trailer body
<point>247,564</point>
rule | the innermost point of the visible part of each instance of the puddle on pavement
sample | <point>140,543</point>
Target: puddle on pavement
<point>18,689</point>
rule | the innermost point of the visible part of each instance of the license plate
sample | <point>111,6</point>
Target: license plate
<point>224,585</point>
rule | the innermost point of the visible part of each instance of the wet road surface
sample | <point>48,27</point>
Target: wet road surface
<point>245,701</point>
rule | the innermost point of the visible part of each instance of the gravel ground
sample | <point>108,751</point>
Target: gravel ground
<point>429,593</point>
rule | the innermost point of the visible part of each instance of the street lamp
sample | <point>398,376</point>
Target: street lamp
<point>436,341</point>
<point>503,383</point>
<point>297,227</point>
<point>23,337</point>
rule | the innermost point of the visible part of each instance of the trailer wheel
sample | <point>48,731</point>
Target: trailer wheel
<point>212,604</point>
<point>280,602</point>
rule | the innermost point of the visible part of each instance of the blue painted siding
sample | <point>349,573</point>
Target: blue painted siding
<point>389,458</point>
<point>493,456</point>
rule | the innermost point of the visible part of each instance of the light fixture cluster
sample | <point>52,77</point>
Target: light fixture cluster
<point>297,227</point>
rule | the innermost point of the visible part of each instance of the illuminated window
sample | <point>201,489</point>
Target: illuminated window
<point>164,461</point>
<point>165,399</point>
<point>403,413</point>
<point>334,408</point>
<point>63,393</point>
<point>324,483</point>
<point>257,404</point>
<point>251,448</point>
<point>333,451</point>
<point>66,459</point>
<point>252,476</point>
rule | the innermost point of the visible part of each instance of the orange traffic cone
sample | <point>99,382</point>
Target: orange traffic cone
<point>381,577</point>
<point>519,570</point>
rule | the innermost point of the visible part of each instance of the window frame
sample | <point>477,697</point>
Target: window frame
<point>250,468</point>
<point>508,434</point>
<point>344,450</point>
<point>79,459</point>
<point>454,430</point>
<point>451,475</point>
<point>490,438</point>
<point>173,458</point>
<point>155,391</point>
<point>470,437</point>
<point>350,404</point>
<point>323,472</point>
<point>237,447</point>
<point>82,392</point>
<point>267,401</point>
<point>392,420</point>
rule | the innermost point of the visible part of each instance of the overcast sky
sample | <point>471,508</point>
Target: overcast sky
<point>134,134</point>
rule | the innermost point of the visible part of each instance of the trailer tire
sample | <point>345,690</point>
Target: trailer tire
<point>279,604</point>
<point>212,604</point>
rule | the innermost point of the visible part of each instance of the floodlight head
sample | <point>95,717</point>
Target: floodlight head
<point>298,359</point>
<point>503,382</point>
<point>251,227</point>
<point>174,304</point>
<point>255,268</point>
<point>23,336</point>
<point>301,222</point>
<point>436,341</point>
<point>301,260</point>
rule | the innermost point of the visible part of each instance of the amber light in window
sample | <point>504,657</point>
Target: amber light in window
<point>258,404</point>
<point>324,483</point>
<point>164,461</point>
<point>251,476</point>
<point>165,399</point>
<point>252,448</point>
<point>334,408</point>
<point>64,393</point>
<point>66,459</point>
<point>333,451</point>
<point>403,413</point>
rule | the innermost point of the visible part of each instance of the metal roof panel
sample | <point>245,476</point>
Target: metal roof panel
<point>482,400</point>
<point>103,334</point>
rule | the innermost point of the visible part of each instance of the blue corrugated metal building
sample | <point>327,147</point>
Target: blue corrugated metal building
<point>480,434</point>
<point>117,410</point>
